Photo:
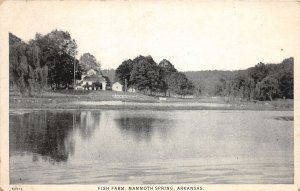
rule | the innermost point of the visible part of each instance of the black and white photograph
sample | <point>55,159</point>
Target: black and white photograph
<point>149,95</point>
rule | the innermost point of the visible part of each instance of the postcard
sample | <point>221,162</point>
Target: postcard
<point>149,95</point>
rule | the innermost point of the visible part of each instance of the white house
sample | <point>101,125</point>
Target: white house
<point>117,87</point>
<point>92,80</point>
<point>90,72</point>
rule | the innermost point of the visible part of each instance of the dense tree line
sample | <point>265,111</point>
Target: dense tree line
<point>49,60</point>
<point>147,76</point>
<point>46,59</point>
<point>262,82</point>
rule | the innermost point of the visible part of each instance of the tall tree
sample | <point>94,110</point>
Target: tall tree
<point>286,79</point>
<point>123,72</point>
<point>180,85</point>
<point>58,51</point>
<point>108,82</point>
<point>168,69</point>
<point>259,72</point>
<point>269,87</point>
<point>146,75</point>
<point>88,61</point>
<point>27,70</point>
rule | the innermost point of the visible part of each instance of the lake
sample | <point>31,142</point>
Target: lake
<point>151,147</point>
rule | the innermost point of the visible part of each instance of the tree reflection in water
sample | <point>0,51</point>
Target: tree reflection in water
<point>88,123</point>
<point>43,133</point>
<point>49,135</point>
<point>142,128</point>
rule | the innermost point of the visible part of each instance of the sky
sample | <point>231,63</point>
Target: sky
<point>192,35</point>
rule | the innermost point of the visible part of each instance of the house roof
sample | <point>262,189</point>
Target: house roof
<point>91,69</point>
<point>94,78</point>
<point>117,83</point>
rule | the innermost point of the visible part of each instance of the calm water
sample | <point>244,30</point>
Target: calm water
<point>147,147</point>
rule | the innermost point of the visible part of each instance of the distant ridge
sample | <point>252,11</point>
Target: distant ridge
<point>206,80</point>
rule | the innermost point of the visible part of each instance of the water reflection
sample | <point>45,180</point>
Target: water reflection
<point>113,147</point>
<point>50,135</point>
<point>141,129</point>
<point>43,133</point>
<point>87,123</point>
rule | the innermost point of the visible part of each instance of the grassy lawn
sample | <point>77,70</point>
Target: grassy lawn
<point>66,99</point>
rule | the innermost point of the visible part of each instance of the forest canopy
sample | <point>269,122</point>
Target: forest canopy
<point>46,59</point>
<point>146,75</point>
<point>261,82</point>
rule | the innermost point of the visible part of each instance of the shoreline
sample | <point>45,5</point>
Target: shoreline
<point>97,100</point>
<point>131,105</point>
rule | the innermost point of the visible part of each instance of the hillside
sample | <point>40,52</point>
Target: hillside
<point>207,80</point>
